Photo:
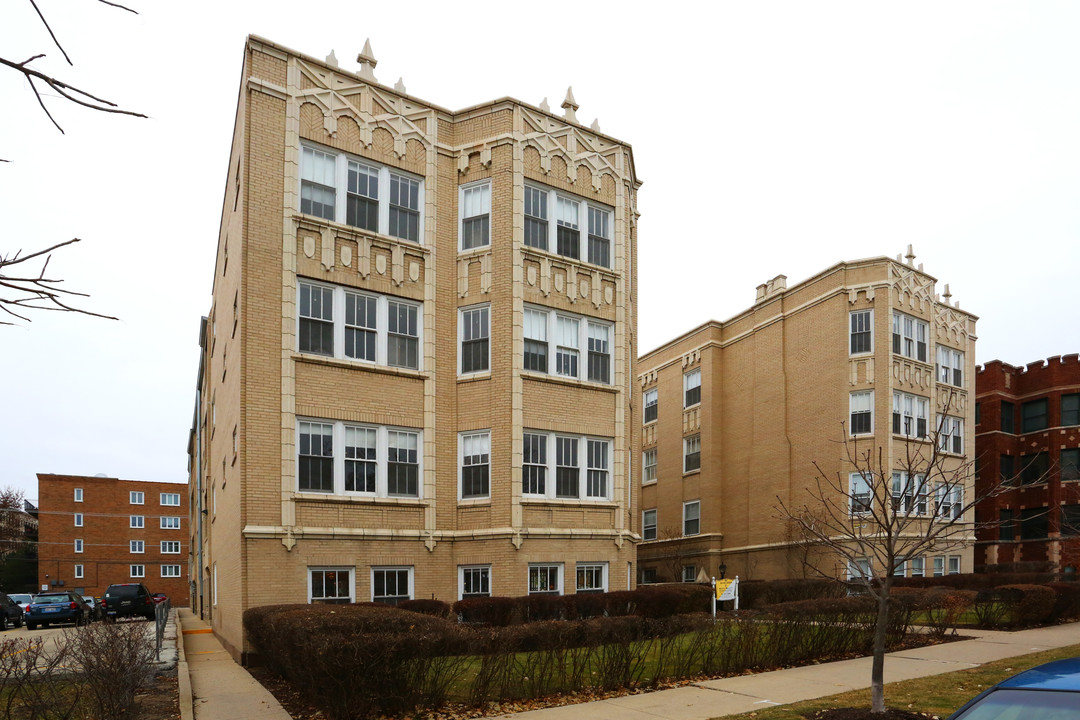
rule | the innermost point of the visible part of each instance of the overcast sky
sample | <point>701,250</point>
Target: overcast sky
<point>772,138</point>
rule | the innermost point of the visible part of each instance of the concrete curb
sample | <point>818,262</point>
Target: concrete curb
<point>183,677</point>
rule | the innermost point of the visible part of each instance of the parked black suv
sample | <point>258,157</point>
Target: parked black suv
<point>10,613</point>
<point>126,599</point>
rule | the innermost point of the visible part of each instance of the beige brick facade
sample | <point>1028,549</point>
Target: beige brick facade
<point>275,517</point>
<point>776,384</point>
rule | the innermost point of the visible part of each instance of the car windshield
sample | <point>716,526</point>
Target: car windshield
<point>51,598</point>
<point>20,598</point>
<point>1006,704</point>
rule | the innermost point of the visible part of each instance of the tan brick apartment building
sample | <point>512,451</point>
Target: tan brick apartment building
<point>418,369</point>
<point>96,531</point>
<point>1027,436</point>
<point>736,413</point>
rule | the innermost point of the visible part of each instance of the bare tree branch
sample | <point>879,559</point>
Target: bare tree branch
<point>35,291</point>
<point>51,33</point>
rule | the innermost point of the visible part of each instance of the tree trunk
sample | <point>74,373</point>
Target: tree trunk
<point>877,670</point>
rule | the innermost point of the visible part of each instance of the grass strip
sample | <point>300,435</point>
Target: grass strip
<point>937,694</point>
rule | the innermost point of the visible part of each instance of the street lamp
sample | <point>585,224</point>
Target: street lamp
<point>723,570</point>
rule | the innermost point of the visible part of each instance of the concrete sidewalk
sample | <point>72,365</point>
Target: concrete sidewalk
<point>746,693</point>
<point>217,688</point>
<point>212,685</point>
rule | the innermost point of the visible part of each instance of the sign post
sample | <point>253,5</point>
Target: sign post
<point>725,589</point>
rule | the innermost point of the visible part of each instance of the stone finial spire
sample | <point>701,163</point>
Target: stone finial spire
<point>544,105</point>
<point>570,105</point>
<point>910,257</point>
<point>331,59</point>
<point>400,86</point>
<point>947,295</point>
<point>367,62</point>
<point>595,125</point>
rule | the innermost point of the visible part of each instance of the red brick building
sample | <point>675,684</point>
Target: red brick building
<point>96,531</point>
<point>1027,434</point>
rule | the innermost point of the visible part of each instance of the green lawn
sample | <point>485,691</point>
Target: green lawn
<point>937,694</point>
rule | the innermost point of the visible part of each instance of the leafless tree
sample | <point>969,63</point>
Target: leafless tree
<point>12,520</point>
<point>676,555</point>
<point>24,286</point>
<point>875,514</point>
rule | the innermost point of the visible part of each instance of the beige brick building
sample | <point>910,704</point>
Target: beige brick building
<point>736,413</point>
<point>418,372</point>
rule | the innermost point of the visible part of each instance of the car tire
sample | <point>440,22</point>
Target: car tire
<point>3,621</point>
<point>19,621</point>
<point>31,626</point>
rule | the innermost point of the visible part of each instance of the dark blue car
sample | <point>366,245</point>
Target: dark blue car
<point>56,607</point>
<point>1046,692</point>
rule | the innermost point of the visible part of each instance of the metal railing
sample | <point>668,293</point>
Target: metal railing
<point>161,617</point>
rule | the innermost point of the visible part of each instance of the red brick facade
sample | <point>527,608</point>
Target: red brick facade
<point>106,532</point>
<point>1028,436</point>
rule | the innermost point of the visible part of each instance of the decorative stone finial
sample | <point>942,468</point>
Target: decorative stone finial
<point>948,294</point>
<point>570,105</point>
<point>910,257</point>
<point>400,85</point>
<point>595,125</point>
<point>367,62</point>
<point>544,105</point>
<point>331,59</point>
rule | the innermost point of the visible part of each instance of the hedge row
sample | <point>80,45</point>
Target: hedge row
<point>355,661</point>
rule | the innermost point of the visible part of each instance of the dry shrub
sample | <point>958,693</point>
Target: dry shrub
<point>944,608</point>
<point>1027,605</point>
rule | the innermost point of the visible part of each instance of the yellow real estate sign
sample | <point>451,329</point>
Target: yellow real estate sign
<point>725,589</point>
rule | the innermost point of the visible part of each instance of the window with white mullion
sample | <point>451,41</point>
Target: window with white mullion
<point>475,214</point>
<point>692,388</point>
<point>567,343</point>
<point>599,237</point>
<point>318,183</point>
<point>568,231</point>
<point>648,524</point>
<point>580,465</point>
<point>375,461</point>
<point>908,493</point>
<point>859,492</point>
<point>536,341</point>
<point>474,333</point>
<point>536,217</point>
<point>862,413</point>
<point>362,196</point>
<point>909,336</point>
<point>910,415</point>
<point>650,402</point>
<point>361,326</point>
<point>648,466</point>
<point>599,353</point>
<point>950,364</point>
<point>951,434</point>
<point>475,465</point>
<point>316,332</point>
<point>404,208</point>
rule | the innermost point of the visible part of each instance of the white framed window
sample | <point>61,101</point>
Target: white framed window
<point>137,571</point>
<point>689,573</point>
<point>136,547</point>
<point>172,499</point>
<point>648,524</point>
<point>79,572</point>
<point>474,333</point>
<point>170,571</point>
<point>78,519</point>
<point>909,493</point>
<point>474,211</point>
<point>566,458</point>
<point>213,585</point>
<point>691,517</point>
<point>950,434</point>
<point>78,494</point>
<point>909,336</point>
<point>573,215</point>
<point>909,415</point>
<point>859,569</point>
<point>170,523</point>
<point>949,501</point>
<point>474,465</point>
<point>950,366</point>
<point>545,579</point>
<point>331,585</point>
<point>918,567</point>
<point>692,388</point>
<point>377,461</point>
<point>859,492</point>
<point>592,577</point>
<point>78,545</point>
<point>367,327</point>
<point>170,547</point>
<point>900,569</point>
<point>356,192</point>
<point>651,405</point>
<point>861,407</point>
<point>954,564</point>
<point>648,466</point>
<point>136,497</point>
<point>474,581</point>
<point>136,521</point>
<point>939,566</point>
<point>391,585</point>
<point>692,453</point>
<point>562,335</point>
<point>861,337</point>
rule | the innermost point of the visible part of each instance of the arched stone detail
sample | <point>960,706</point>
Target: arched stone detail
<point>383,141</point>
<point>311,121</point>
